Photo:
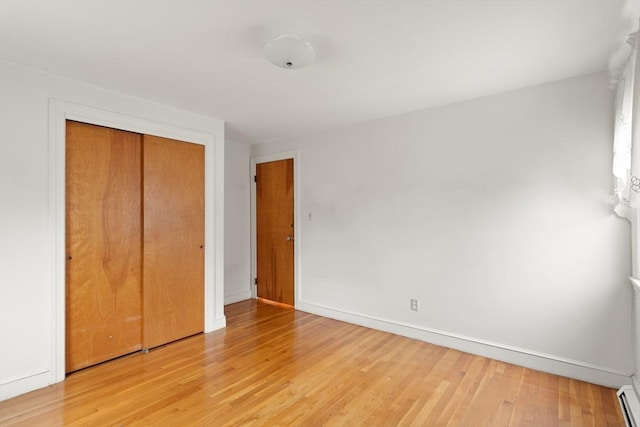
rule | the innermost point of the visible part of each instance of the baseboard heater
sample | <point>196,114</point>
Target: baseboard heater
<point>630,405</point>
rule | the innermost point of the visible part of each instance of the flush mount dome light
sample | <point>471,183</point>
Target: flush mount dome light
<point>289,51</point>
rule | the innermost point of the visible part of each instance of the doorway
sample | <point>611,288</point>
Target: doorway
<point>274,247</point>
<point>59,113</point>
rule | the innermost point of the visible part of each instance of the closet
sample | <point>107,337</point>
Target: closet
<point>134,242</point>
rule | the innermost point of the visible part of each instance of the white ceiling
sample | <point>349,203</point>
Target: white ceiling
<point>374,58</point>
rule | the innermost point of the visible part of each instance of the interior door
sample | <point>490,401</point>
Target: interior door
<point>173,250</point>
<point>103,240</point>
<point>275,231</point>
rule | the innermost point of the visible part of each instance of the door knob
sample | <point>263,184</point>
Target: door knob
<point>289,238</point>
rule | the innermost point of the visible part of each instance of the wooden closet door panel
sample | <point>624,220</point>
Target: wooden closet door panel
<point>103,243</point>
<point>173,254</point>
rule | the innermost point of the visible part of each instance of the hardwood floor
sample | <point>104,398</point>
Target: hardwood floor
<point>274,366</point>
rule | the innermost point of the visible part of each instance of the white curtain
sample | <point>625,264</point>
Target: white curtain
<point>626,147</point>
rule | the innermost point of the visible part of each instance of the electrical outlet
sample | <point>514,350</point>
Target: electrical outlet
<point>414,304</point>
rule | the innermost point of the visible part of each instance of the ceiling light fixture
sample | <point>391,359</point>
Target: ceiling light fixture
<point>289,51</point>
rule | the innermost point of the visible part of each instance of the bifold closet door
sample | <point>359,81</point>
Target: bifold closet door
<point>103,244</point>
<point>173,249</point>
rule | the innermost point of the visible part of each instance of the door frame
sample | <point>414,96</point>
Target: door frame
<point>59,113</point>
<point>296,220</point>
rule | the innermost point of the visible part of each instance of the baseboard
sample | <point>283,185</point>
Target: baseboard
<point>517,356</point>
<point>27,383</point>
<point>219,323</point>
<point>230,299</point>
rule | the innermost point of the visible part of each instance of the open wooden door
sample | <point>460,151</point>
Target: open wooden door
<point>173,250</point>
<point>275,231</point>
<point>103,240</point>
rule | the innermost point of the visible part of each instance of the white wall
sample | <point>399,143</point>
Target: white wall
<point>635,284</point>
<point>27,338</point>
<point>493,213</point>
<point>237,260</point>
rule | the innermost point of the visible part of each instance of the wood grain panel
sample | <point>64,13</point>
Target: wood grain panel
<point>173,254</point>
<point>103,243</point>
<point>275,366</point>
<point>274,225</point>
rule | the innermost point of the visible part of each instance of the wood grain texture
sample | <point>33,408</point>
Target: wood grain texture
<point>103,238</point>
<point>274,366</point>
<point>173,254</point>
<point>274,224</point>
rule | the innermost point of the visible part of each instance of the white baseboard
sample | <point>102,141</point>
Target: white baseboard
<point>220,322</point>
<point>517,356</point>
<point>539,361</point>
<point>27,383</point>
<point>230,299</point>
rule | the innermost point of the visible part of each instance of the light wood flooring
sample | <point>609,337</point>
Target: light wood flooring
<point>274,366</point>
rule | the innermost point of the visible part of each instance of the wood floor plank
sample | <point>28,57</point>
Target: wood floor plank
<point>274,366</point>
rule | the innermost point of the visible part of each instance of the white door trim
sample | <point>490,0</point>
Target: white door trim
<point>296,219</point>
<point>59,113</point>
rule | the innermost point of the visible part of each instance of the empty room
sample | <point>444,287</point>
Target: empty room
<point>319,212</point>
